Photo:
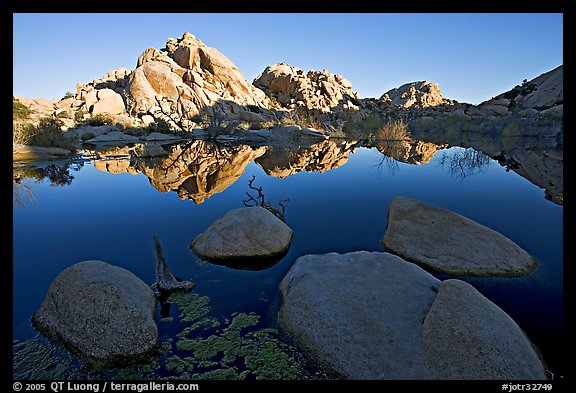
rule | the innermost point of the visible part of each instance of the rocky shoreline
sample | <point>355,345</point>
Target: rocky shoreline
<point>193,91</point>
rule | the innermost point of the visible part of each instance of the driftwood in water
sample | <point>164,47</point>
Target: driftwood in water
<point>165,280</point>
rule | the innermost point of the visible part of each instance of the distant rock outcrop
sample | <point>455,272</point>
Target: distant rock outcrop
<point>315,90</point>
<point>541,96</point>
<point>188,85</point>
<point>421,94</point>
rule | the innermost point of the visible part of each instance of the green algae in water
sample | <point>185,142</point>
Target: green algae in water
<point>34,359</point>
<point>205,348</point>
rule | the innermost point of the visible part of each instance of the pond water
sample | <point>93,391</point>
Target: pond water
<point>107,207</point>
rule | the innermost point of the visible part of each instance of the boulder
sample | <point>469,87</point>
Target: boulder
<point>248,232</point>
<point>528,112</point>
<point>108,102</point>
<point>409,325</point>
<point>490,109</point>
<point>321,298</point>
<point>28,153</point>
<point>114,136</point>
<point>103,313</point>
<point>446,242</point>
<point>251,116</point>
<point>158,136</point>
<point>89,132</point>
<point>466,336</point>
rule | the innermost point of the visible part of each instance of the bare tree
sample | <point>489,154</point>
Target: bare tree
<point>260,200</point>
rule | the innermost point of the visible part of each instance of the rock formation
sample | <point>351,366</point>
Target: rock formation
<point>244,233</point>
<point>420,94</point>
<point>371,315</point>
<point>189,85</point>
<point>103,313</point>
<point>447,242</point>
<point>187,79</point>
<point>314,90</point>
<point>543,95</point>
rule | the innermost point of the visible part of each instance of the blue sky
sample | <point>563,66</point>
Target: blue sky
<point>471,56</point>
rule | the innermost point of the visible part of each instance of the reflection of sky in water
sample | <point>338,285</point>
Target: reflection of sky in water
<point>112,217</point>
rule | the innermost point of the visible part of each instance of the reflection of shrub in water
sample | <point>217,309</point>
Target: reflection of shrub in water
<point>57,174</point>
<point>465,162</point>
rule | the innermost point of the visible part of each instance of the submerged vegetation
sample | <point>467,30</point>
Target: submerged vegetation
<point>205,347</point>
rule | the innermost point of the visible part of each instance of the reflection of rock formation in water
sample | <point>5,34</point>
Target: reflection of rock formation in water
<point>543,168</point>
<point>195,170</point>
<point>282,162</point>
<point>537,159</point>
<point>410,152</point>
<point>199,169</point>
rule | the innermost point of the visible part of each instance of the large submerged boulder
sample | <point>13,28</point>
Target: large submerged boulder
<point>447,242</point>
<point>103,313</point>
<point>372,315</point>
<point>247,232</point>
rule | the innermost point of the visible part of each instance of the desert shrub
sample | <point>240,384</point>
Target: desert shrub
<point>19,110</point>
<point>275,102</point>
<point>88,135</point>
<point>396,130</point>
<point>68,94</point>
<point>47,133</point>
<point>96,120</point>
<point>159,125</point>
<point>79,116</point>
<point>372,123</point>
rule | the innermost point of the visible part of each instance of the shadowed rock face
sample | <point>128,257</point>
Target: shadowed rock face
<point>101,312</point>
<point>410,325</point>
<point>447,242</point>
<point>282,162</point>
<point>539,160</point>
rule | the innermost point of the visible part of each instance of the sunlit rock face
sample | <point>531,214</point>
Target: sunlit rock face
<point>419,94</point>
<point>312,90</point>
<point>188,79</point>
<point>282,162</point>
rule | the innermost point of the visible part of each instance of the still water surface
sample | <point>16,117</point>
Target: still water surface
<point>338,202</point>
